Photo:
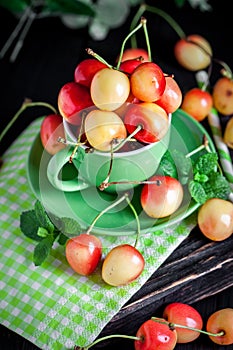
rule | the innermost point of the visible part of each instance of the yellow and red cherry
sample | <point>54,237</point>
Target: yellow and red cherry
<point>221,321</point>
<point>109,89</point>
<point>135,53</point>
<point>223,95</point>
<point>185,315</point>
<point>122,265</point>
<point>86,69</point>
<point>171,99</point>
<point>197,103</point>
<point>154,335</point>
<point>72,99</point>
<point>102,127</point>
<point>193,52</point>
<point>215,219</point>
<point>129,66</point>
<point>83,253</point>
<point>148,82</point>
<point>162,197</point>
<point>50,130</point>
<point>228,133</point>
<point>152,118</point>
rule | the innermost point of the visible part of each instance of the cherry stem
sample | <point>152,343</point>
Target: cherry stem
<point>125,40</point>
<point>106,338</point>
<point>105,183</point>
<point>172,325</point>
<point>121,199</point>
<point>26,104</point>
<point>98,57</point>
<point>159,12</point>
<point>137,220</point>
<point>204,145</point>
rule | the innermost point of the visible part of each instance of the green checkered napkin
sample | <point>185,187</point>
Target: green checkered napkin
<point>50,305</point>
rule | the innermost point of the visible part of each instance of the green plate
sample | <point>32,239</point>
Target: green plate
<point>186,135</point>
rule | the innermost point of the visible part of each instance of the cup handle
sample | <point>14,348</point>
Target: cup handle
<point>55,165</point>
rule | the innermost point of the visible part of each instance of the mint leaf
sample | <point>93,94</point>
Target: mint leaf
<point>206,163</point>
<point>43,218</point>
<point>201,177</point>
<point>217,186</point>
<point>29,224</point>
<point>42,232</point>
<point>62,239</point>
<point>42,250</point>
<point>197,192</point>
<point>167,166</point>
<point>69,227</point>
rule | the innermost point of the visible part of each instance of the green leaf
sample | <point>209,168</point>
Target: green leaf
<point>197,192</point>
<point>69,227</point>
<point>43,218</point>
<point>42,232</point>
<point>15,6</point>
<point>42,250</point>
<point>167,166</point>
<point>201,177</point>
<point>62,239</point>
<point>206,163</point>
<point>217,186</point>
<point>70,6</point>
<point>29,224</point>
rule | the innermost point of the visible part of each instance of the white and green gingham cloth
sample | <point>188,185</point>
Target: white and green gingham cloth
<point>50,305</point>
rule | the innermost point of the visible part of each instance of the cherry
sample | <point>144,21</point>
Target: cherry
<point>223,95</point>
<point>184,314</point>
<point>109,89</point>
<point>215,219</point>
<point>86,69</point>
<point>162,196</point>
<point>83,253</point>
<point>50,130</point>
<point>154,335</point>
<point>171,99</point>
<point>147,82</point>
<point>135,53</point>
<point>129,66</point>
<point>228,133</point>
<point>221,321</point>
<point>193,52</point>
<point>102,127</point>
<point>197,103</point>
<point>72,99</point>
<point>152,118</point>
<point>122,265</point>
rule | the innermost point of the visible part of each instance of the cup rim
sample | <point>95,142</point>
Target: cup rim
<point>147,147</point>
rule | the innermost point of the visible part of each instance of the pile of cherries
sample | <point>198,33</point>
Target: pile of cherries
<point>180,323</point>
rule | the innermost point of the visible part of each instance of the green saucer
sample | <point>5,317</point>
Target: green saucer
<point>83,206</point>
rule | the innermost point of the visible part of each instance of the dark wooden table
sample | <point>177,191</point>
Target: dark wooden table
<point>199,272</point>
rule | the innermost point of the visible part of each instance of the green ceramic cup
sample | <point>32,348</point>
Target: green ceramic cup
<point>127,167</point>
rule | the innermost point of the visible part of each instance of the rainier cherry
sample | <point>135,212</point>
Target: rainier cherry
<point>186,315</point>
<point>152,118</point>
<point>221,320</point>
<point>102,127</point>
<point>72,99</point>
<point>109,89</point>
<point>147,82</point>
<point>171,99</point>
<point>86,69</point>
<point>50,130</point>
<point>122,265</point>
<point>215,219</point>
<point>197,103</point>
<point>154,335</point>
<point>193,52</point>
<point>163,197</point>
<point>83,253</point>
<point>135,53</point>
<point>228,133</point>
<point>223,95</point>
